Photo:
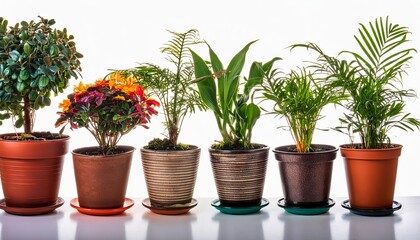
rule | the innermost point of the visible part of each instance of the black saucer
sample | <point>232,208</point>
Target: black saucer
<point>306,210</point>
<point>372,212</point>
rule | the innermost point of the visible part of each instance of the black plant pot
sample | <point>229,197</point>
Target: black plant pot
<point>306,177</point>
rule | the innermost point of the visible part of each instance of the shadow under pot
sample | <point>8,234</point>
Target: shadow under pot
<point>101,180</point>
<point>239,175</point>
<point>31,171</point>
<point>170,175</point>
<point>306,177</point>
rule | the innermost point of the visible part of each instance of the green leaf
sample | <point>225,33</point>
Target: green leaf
<point>14,55</point>
<point>253,112</point>
<point>205,83</point>
<point>20,86</point>
<point>24,74</point>
<point>54,69</point>
<point>33,95</point>
<point>43,81</point>
<point>256,75</point>
<point>19,122</point>
<point>27,48</point>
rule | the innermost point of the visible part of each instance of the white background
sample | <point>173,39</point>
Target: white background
<point>119,34</point>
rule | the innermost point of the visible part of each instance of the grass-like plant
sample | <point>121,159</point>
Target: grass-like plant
<point>235,114</point>
<point>177,96</point>
<point>373,80</point>
<point>299,98</point>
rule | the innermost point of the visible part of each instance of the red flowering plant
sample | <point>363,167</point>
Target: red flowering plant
<point>108,109</point>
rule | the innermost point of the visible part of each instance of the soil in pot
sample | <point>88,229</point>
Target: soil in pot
<point>102,180</point>
<point>306,177</point>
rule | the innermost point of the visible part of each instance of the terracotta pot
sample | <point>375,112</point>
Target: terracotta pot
<point>101,180</point>
<point>371,175</point>
<point>31,171</point>
<point>239,175</point>
<point>306,177</point>
<point>170,175</point>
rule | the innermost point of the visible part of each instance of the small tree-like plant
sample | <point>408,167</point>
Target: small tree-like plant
<point>172,87</point>
<point>35,61</point>
<point>372,78</point>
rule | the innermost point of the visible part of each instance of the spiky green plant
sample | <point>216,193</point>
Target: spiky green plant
<point>177,96</point>
<point>299,98</point>
<point>373,80</point>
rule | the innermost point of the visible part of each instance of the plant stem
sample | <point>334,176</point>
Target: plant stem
<point>27,115</point>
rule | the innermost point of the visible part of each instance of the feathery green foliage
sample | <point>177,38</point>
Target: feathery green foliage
<point>177,96</point>
<point>299,98</point>
<point>373,79</point>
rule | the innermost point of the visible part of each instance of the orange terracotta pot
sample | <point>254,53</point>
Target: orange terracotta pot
<point>31,171</point>
<point>371,175</point>
<point>101,181</point>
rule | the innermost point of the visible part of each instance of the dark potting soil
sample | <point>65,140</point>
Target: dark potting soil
<point>36,136</point>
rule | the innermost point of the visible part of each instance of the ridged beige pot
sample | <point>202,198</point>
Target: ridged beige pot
<point>170,175</point>
<point>101,180</point>
<point>239,175</point>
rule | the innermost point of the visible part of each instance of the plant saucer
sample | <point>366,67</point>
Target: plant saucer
<point>31,210</point>
<point>239,210</point>
<point>372,212</point>
<point>128,203</point>
<point>175,209</point>
<point>299,210</point>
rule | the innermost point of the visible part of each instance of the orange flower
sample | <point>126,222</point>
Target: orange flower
<point>65,105</point>
<point>81,88</point>
<point>120,98</point>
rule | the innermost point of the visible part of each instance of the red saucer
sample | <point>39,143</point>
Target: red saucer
<point>31,211</point>
<point>128,203</point>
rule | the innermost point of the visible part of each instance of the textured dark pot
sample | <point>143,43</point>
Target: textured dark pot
<point>239,175</point>
<point>306,177</point>
<point>101,180</point>
<point>371,175</point>
<point>170,175</point>
<point>31,171</point>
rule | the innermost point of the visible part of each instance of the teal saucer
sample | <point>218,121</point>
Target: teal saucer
<point>306,210</point>
<point>239,210</point>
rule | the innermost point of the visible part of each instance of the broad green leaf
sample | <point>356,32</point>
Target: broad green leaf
<point>256,75</point>
<point>20,86</point>
<point>43,81</point>
<point>253,113</point>
<point>205,84</point>
<point>24,74</point>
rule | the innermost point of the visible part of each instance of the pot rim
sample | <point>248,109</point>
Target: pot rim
<point>65,137</point>
<point>335,149</point>
<point>224,151</point>
<point>131,150</point>
<point>347,148</point>
<point>195,148</point>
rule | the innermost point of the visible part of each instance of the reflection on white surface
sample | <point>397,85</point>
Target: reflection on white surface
<point>372,228</point>
<point>306,227</point>
<point>242,227</point>
<point>168,226</point>
<point>30,227</point>
<point>100,227</point>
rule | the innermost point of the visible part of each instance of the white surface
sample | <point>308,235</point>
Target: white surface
<point>118,34</point>
<point>205,222</point>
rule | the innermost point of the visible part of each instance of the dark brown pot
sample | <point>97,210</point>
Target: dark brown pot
<point>101,180</point>
<point>239,175</point>
<point>371,175</point>
<point>306,177</point>
<point>31,171</point>
<point>170,175</point>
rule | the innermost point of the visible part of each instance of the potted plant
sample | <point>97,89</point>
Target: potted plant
<point>305,168</point>
<point>170,167</point>
<point>36,61</point>
<point>109,109</point>
<point>376,104</point>
<point>239,165</point>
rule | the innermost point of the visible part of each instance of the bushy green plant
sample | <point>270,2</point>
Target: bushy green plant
<point>299,98</point>
<point>235,114</point>
<point>35,61</point>
<point>177,96</point>
<point>373,80</point>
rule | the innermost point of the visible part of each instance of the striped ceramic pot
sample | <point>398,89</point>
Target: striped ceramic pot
<point>239,175</point>
<point>170,175</point>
